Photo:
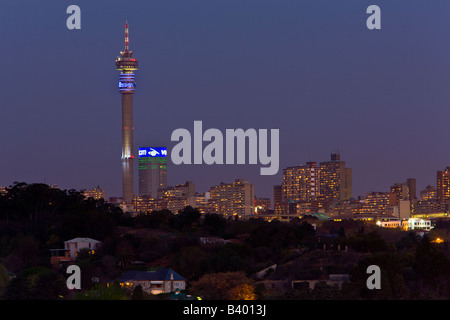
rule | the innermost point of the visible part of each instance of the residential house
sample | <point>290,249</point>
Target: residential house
<point>163,280</point>
<point>71,249</point>
<point>75,245</point>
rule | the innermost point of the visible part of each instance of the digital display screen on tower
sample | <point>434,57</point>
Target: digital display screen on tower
<point>126,85</point>
<point>152,152</point>
<point>127,82</point>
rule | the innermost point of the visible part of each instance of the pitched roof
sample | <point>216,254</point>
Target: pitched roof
<point>163,274</point>
<point>82,240</point>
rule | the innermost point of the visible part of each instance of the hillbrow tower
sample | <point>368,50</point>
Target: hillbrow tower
<point>126,64</point>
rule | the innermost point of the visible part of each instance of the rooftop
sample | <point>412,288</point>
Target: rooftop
<point>163,274</point>
<point>81,240</point>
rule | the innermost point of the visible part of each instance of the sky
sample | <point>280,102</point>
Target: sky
<point>311,69</point>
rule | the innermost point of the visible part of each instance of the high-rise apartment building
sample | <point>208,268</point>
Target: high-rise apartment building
<point>405,191</point>
<point>152,171</point>
<point>171,198</point>
<point>335,180</point>
<point>201,202</point>
<point>262,205</point>
<point>186,190</point>
<point>429,193</point>
<point>443,185</point>
<point>96,193</point>
<point>427,207</point>
<point>233,199</point>
<point>435,201</point>
<point>375,203</point>
<point>412,193</point>
<point>301,183</point>
<point>277,195</point>
<point>399,191</point>
<point>348,184</point>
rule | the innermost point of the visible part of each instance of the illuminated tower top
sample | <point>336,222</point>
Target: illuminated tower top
<point>126,63</point>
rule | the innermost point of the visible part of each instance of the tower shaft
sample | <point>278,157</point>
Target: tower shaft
<point>127,147</point>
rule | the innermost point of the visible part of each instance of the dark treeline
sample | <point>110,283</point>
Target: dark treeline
<point>49,213</point>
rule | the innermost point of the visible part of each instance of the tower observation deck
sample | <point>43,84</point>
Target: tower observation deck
<point>126,64</point>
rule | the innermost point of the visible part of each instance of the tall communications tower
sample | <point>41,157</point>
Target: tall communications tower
<point>126,64</point>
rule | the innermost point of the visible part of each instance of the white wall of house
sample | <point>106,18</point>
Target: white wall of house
<point>77,244</point>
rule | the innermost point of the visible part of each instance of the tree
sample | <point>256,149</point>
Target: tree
<point>151,248</point>
<point>393,284</point>
<point>37,283</point>
<point>4,279</point>
<point>37,203</point>
<point>125,253</point>
<point>192,262</point>
<point>187,218</point>
<point>26,253</point>
<point>242,292</point>
<point>138,293</point>
<point>103,292</point>
<point>156,219</point>
<point>216,222</point>
<point>226,259</point>
<point>50,285</point>
<point>409,240</point>
<point>19,288</point>
<point>260,291</point>
<point>430,263</point>
<point>370,242</point>
<point>221,286</point>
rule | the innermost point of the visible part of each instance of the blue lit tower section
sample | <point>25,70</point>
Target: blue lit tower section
<point>126,64</point>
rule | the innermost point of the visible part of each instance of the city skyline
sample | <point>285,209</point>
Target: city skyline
<point>380,98</point>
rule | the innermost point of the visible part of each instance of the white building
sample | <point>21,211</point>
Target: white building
<point>389,224</point>
<point>404,209</point>
<point>415,223</point>
<point>409,224</point>
<point>76,244</point>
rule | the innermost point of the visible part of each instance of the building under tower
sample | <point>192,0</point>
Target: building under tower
<point>126,64</point>
<point>152,171</point>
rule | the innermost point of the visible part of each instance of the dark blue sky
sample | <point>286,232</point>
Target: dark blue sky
<point>309,68</point>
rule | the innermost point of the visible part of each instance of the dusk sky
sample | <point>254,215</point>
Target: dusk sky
<point>311,69</point>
